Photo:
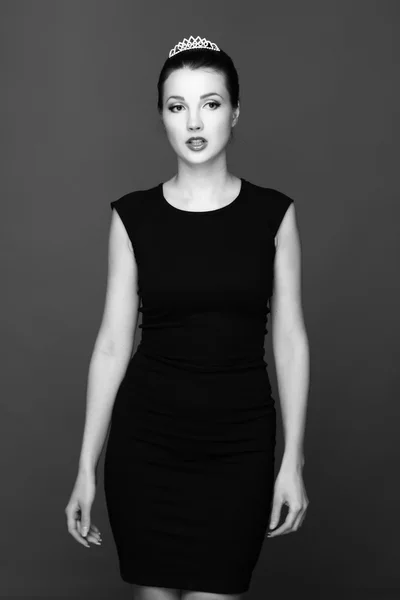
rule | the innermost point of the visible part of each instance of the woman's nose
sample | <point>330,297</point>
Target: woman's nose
<point>194,122</point>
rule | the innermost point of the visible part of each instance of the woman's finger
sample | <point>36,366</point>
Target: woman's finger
<point>96,529</point>
<point>93,538</point>
<point>72,528</point>
<point>287,524</point>
<point>303,516</point>
<point>93,534</point>
<point>299,520</point>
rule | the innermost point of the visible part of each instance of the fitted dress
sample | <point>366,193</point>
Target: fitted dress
<point>189,461</point>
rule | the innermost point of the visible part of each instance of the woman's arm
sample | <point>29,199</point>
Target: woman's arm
<point>290,342</point>
<point>114,342</point>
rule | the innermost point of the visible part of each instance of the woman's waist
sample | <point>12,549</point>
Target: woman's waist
<point>153,373</point>
<point>211,356</point>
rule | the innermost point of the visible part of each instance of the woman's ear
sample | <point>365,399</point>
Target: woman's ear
<point>236,114</point>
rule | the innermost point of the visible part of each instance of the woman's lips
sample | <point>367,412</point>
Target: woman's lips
<point>197,144</point>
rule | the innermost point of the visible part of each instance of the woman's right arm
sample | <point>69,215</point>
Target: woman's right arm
<point>113,345</point>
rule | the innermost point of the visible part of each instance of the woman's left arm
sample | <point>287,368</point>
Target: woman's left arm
<point>292,363</point>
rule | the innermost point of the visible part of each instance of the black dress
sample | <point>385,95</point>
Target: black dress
<point>189,464</point>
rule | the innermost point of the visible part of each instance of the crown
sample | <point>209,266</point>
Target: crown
<point>193,43</point>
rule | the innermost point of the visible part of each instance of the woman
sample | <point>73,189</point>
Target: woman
<point>189,465</point>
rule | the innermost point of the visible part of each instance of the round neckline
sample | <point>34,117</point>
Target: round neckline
<point>202,212</point>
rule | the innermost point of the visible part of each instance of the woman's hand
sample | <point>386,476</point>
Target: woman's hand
<point>289,489</point>
<point>78,510</point>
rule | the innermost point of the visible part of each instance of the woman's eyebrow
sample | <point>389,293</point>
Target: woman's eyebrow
<point>201,97</point>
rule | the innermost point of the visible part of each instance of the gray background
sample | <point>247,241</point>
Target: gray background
<point>79,128</point>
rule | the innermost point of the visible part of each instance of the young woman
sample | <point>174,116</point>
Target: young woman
<point>189,466</point>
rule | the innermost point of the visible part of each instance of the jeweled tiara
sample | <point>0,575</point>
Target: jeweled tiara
<point>193,43</point>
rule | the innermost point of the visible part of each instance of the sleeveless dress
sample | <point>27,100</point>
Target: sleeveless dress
<point>189,464</point>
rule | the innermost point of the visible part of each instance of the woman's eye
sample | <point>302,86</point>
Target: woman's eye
<point>213,102</point>
<point>180,105</point>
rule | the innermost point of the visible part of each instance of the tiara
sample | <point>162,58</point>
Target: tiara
<point>193,43</point>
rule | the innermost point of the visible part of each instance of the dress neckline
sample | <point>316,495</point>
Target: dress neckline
<point>234,202</point>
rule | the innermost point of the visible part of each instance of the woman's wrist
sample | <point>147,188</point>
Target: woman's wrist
<point>292,461</point>
<point>87,468</point>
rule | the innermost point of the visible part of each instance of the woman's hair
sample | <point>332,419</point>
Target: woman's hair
<point>198,58</point>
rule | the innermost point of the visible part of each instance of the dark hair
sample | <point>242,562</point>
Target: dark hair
<point>198,58</point>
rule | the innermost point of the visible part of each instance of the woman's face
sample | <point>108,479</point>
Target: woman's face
<point>190,115</point>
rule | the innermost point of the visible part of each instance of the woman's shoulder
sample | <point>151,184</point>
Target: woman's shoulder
<point>134,199</point>
<point>273,194</point>
<point>272,204</point>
